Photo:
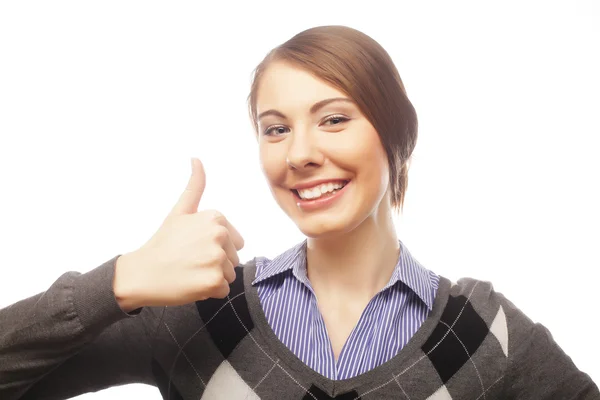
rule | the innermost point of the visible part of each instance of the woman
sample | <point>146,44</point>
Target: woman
<point>335,132</point>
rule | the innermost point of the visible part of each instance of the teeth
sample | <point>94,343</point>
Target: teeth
<point>318,191</point>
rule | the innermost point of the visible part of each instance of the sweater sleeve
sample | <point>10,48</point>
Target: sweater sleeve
<point>73,339</point>
<point>537,367</point>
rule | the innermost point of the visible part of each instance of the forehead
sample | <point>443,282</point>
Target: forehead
<point>284,86</point>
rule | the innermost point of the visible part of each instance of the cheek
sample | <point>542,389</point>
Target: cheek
<point>272,164</point>
<point>367,155</point>
<point>375,173</point>
<point>378,160</point>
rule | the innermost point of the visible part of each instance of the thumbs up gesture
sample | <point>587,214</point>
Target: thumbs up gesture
<point>191,257</point>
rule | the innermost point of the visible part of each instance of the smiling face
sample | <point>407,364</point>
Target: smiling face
<point>323,160</point>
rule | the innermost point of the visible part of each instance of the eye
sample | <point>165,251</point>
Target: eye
<point>335,120</point>
<point>275,130</point>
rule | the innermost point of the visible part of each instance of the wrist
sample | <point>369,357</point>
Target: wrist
<point>123,288</point>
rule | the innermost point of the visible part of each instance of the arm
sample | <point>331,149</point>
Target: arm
<point>72,339</point>
<point>75,337</point>
<point>537,366</point>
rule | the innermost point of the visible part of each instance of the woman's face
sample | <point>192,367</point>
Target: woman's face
<point>323,160</point>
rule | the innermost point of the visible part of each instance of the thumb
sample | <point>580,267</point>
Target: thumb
<point>190,198</point>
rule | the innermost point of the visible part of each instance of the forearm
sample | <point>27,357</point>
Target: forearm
<point>40,334</point>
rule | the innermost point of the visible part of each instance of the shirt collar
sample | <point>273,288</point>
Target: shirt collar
<point>408,271</point>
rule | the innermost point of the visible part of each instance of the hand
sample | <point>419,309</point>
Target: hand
<point>191,257</point>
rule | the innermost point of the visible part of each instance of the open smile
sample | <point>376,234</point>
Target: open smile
<point>321,195</point>
<point>320,191</point>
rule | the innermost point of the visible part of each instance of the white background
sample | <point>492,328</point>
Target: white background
<point>103,103</point>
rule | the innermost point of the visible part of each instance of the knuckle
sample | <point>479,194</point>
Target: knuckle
<point>213,280</point>
<point>214,254</point>
<point>231,279</point>
<point>221,234</point>
<point>211,215</point>
<point>217,216</point>
<point>220,256</point>
<point>222,292</point>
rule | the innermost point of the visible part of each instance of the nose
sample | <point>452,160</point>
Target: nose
<point>303,151</point>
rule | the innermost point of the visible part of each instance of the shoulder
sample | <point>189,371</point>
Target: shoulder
<point>479,302</point>
<point>485,300</point>
<point>473,289</point>
<point>533,362</point>
<point>483,296</point>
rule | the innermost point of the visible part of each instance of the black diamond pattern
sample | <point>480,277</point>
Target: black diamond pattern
<point>321,395</point>
<point>450,355</point>
<point>225,329</point>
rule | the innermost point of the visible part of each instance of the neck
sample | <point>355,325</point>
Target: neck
<point>359,262</point>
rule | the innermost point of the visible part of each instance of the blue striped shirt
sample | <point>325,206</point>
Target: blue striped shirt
<point>390,319</point>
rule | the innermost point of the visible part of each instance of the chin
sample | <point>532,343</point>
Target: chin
<point>321,226</point>
<point>319,231</point>
<point>333,221</point>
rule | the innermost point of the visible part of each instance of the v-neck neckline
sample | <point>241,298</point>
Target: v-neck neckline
<point>375,376</point>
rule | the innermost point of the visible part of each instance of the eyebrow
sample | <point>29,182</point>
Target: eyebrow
<point>313,109</point>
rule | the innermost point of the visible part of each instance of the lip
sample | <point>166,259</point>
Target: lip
<point>316,204</point>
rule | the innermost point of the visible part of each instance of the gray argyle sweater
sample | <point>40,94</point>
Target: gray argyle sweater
<point>74,338</point>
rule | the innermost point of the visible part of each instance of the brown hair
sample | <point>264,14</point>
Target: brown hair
<point>357,65</point>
